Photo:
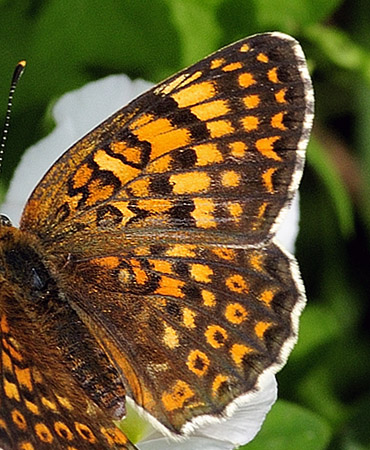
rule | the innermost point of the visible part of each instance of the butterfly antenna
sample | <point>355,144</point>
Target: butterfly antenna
<point>16,76</point>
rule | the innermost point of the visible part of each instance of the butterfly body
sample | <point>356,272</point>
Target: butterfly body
<point>146,264</point>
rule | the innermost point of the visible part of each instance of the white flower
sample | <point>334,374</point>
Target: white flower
<point>75,114</point>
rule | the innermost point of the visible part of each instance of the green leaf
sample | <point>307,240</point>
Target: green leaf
<point>317,391</point>
<point>198,27</point>
<point>291,15</point>
<point>338,48</point>
<point>324,167</point>
<point>291,427</point>
<point>318,327</point>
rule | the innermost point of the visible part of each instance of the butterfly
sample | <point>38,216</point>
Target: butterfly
<point>145,265</point>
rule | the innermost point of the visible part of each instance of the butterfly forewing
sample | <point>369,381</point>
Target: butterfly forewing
<point>217,148</point>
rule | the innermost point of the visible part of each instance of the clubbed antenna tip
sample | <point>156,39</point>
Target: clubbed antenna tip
<point>16,76</point>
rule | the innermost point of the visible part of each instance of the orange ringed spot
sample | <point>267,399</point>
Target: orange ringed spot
<point>265,147</point>
<point>85,432</point>
<point>235,313</point>
<point>216,336</point>
<point>236,283</point>
<point>18,419</point>
<point>198,362</point>
<point>250,123</point>
<point>201,273</point>
<point>63,431</point>
<point>43,433</point>
<point>246,79</point>
<point>177,397</point>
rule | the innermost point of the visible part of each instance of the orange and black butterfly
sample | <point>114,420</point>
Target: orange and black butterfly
<point>145,264</point>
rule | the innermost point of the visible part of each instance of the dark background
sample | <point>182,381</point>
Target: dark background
<point>324,390</point>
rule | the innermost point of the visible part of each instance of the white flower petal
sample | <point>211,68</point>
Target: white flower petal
<point>194,443</point>
<point>288,230</point>
<point>238,429</point>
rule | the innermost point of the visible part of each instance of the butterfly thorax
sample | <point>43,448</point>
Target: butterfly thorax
<point>48,329</point>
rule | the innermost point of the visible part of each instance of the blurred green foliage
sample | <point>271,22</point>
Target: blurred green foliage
<point>325,389</point>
